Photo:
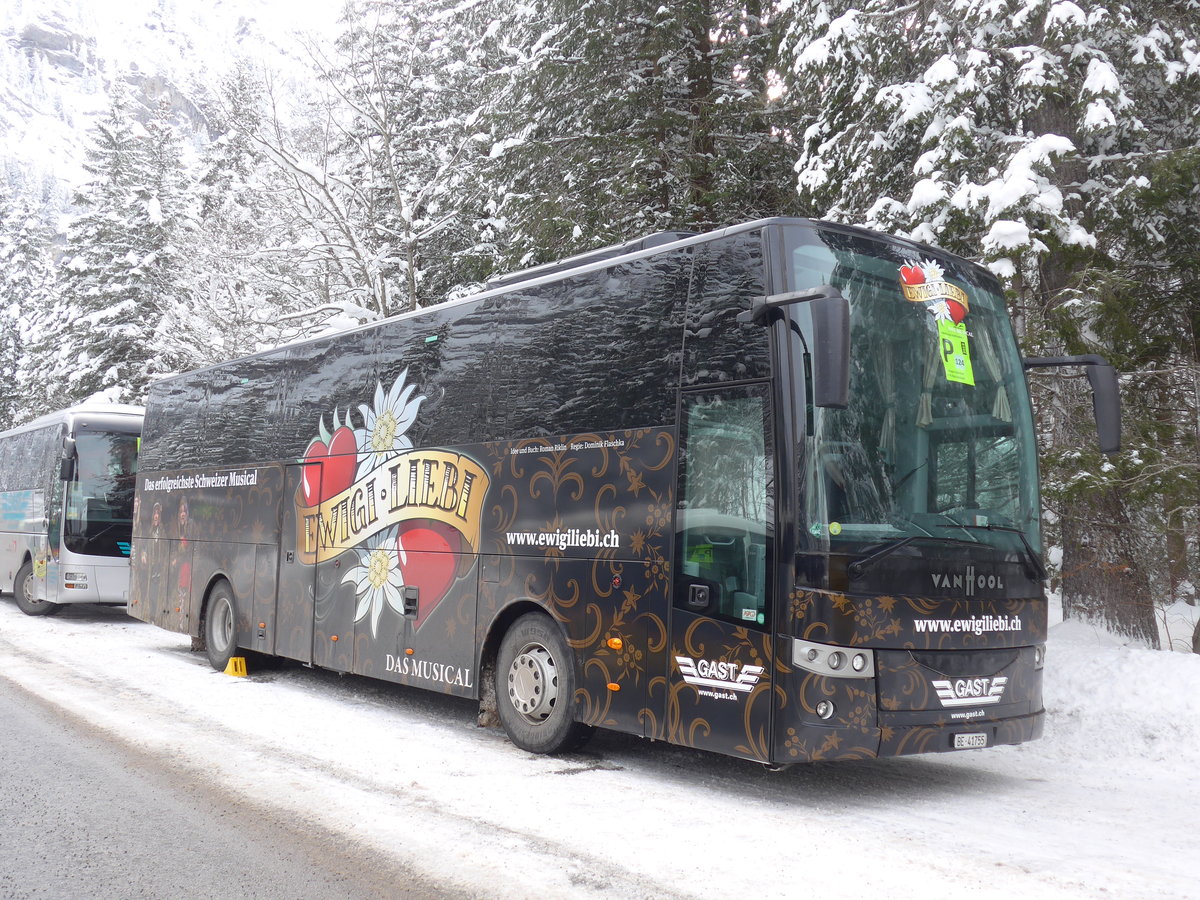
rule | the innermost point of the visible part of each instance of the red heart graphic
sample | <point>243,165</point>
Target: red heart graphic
<point>427,552</point>
<point>339,462</point>
<point>912,275</point>
<point>957,311</point>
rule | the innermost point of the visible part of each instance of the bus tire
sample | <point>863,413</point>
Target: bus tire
<point>535,686</point>
<point>220,626</point>
<point>23,594</point>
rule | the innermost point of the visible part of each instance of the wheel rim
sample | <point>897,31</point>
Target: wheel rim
<point>27,591</point>
<point>533,684</point>
<point>222,632</point>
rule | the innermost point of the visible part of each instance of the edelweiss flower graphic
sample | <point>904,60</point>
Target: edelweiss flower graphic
<point>385,424</point>
<point>377,579</point>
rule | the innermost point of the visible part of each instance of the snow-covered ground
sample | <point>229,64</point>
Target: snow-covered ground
<point>1106,805</point>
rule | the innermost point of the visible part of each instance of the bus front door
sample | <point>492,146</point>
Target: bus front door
<point>47,580</point>
<point>720,666</point>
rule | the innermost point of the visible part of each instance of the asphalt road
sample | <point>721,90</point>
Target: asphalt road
<point>84,817</point>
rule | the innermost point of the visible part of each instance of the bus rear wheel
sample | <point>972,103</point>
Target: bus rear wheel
<point>23,592</point>
<point>535,687</point>
<point>220,626</point>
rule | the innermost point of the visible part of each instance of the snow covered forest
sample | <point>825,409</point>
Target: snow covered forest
<point>272,191</point>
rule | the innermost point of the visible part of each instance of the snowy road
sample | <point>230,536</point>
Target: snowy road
<point>1107,805</point>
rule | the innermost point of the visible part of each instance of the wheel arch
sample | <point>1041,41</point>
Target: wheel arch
<point>489,649</point>
<point>500,624</point>
<point>26,560</point>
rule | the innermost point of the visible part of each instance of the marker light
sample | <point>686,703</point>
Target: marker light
<point>859,663</point>
<point>825,709</point>
<point>836,659</point>
<point>615,643</point>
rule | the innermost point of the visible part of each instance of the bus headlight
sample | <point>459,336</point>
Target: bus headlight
<point>835,662</point>
<point>75,580</point>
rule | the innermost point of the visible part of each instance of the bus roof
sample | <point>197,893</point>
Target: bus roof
<point>638,248</point>
<point>70,415</point>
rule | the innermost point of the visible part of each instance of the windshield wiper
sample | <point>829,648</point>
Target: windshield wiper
<point>1033,563</point>
<point>859,566</point>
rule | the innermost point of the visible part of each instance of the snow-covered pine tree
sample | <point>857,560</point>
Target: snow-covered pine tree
<point>120,275</point>
<point>613,118</point>
<point>1025,133</point>
<point>26,291</point>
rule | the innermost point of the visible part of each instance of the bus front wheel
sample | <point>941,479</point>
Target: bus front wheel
<point>23,592</point>
<point>535,686</point>
<point>220,627</point>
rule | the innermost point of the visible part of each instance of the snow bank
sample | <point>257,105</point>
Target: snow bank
<point>1098,808</point>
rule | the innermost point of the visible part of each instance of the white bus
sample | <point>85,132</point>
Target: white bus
<point>66,507</point>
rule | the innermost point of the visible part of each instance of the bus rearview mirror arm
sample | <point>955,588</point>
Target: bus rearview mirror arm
<point>1106,395</point>
<point>831,338</point>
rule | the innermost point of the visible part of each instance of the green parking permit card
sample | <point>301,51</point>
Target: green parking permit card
<point>956,352</point>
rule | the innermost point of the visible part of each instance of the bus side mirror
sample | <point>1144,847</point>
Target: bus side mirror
<point>1106,396</point>
<point>66,468</point>
<point>831,338</point>
<point>831,352</point>
<point>1106,406</point>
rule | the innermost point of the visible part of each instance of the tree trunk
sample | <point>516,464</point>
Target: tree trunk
<point>1105,578</point>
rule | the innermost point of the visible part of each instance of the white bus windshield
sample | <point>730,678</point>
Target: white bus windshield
<point>99,508</point>
<point>937,441</point>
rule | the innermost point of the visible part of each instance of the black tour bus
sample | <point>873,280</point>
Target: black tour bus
<point>66,507</point>
<point>769,491</point>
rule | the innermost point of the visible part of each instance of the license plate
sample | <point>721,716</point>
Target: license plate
<point>970,741</point>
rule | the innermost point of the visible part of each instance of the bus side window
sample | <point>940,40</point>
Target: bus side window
<point>725,508</point>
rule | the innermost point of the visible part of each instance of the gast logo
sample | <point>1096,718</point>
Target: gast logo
<point>970,691</point>
<point>729,676</point>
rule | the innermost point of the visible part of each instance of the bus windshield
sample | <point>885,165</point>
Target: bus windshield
<point>937,441</point>
<point>99,502</point>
